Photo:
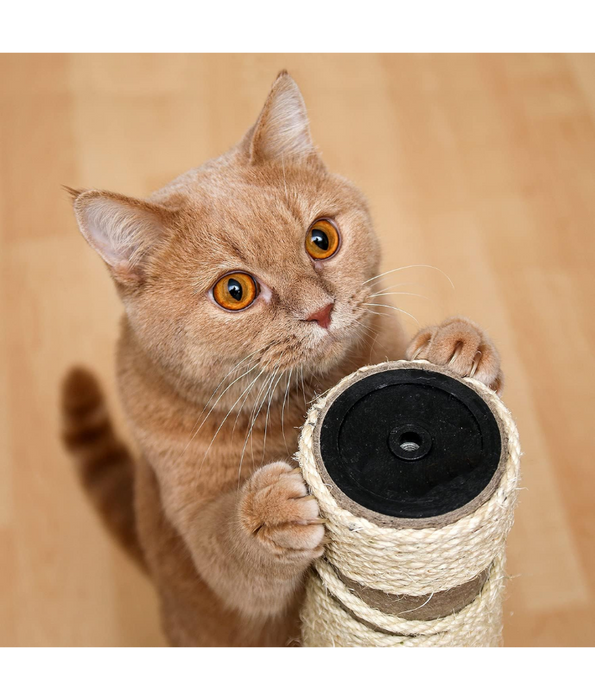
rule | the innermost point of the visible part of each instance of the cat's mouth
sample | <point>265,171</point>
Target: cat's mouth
<point>324,348</point>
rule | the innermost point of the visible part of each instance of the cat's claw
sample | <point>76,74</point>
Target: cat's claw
<point>277,511</point>
<point>461,346</point>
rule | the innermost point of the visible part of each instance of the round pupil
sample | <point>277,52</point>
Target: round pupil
<point>235,289</point>
<point>320,239</point>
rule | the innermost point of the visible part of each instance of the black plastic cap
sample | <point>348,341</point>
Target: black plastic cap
<point>410,443</point>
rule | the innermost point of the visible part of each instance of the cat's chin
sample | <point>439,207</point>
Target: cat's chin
<point>327,351</point>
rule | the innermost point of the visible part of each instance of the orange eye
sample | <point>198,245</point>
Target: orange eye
<point>322,239</point>
<point>235,291</point>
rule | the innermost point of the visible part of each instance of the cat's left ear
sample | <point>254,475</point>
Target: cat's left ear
<point>282,131</point>
<point>124,231</point>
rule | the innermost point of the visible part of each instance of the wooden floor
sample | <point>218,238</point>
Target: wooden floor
<point>483,166</point>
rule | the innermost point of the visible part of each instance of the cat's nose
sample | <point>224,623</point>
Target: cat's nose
<point>322,316</point>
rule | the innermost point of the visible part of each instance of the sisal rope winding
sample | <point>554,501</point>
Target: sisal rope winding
<point>392,557</point>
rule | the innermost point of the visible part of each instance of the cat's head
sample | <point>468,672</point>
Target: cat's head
<point>260,255</point>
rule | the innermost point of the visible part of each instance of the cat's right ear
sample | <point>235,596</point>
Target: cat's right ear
<point>123,230</point>
<point>282,131</point>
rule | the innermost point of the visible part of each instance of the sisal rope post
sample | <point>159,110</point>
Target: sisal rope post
<point>416,535</point>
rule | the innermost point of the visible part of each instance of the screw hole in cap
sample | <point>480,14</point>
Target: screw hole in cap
<point>410,442</point>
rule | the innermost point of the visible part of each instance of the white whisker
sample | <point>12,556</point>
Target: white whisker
<point>283,408</point>
<point>253,418</point>
<point>388,294</point>
<point>227,416</point>
<point>303,388</point>
<point>231,371</point>
<point>266,421</point>
<point>215,404</point>
<point>395,308</point>
<point>392,286</point>
<point>408,267</point>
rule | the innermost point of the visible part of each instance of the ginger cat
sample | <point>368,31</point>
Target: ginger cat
<point>245,284</point>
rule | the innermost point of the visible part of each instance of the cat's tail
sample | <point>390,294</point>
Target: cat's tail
<point>104,464</point>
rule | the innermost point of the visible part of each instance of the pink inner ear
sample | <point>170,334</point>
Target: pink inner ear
<point>282,130</point>
<point>115,229</point>
<point>125,272</point>
<point>96,230</point>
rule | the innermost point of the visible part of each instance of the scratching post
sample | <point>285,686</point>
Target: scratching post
<point>416,472</point>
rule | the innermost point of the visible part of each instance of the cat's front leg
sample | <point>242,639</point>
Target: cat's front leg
<point>253,545</point>
<point>461,346</point>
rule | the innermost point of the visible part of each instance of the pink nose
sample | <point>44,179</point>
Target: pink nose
<point>322,316</point>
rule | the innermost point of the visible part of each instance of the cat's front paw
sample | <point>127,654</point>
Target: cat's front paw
<point>462,347</point>
<point>277,512</point>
